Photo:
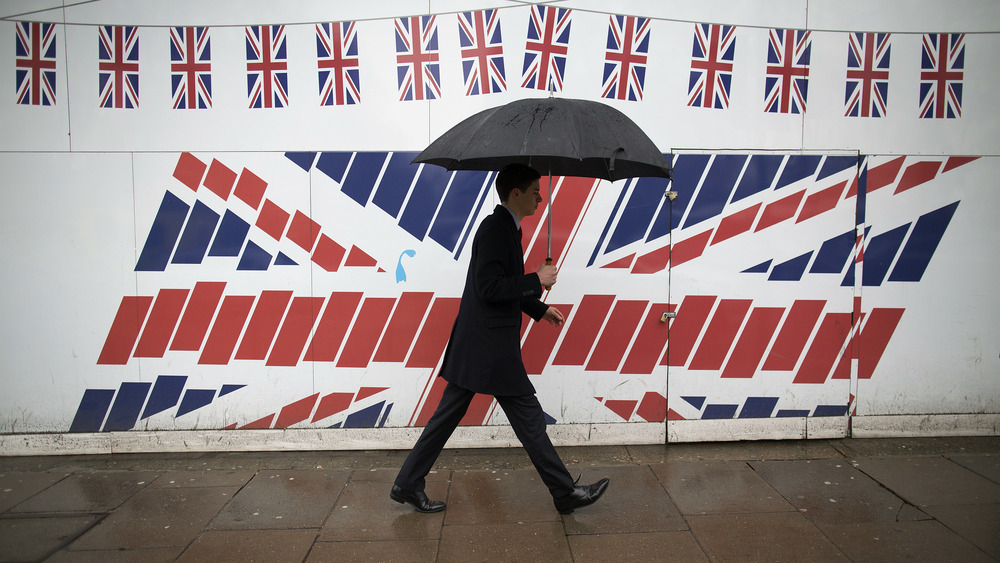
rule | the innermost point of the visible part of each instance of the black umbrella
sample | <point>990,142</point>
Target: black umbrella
<point>557,136</point>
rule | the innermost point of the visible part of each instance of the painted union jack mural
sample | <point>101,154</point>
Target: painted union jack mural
<point>482,52</point>
<point>191,67</point>
<point>867,74</point>
<point>338,63</point>
<point>625,58</point>
<point>267,66</point>
<point>418,71</point>
<point>118,66</point>
<point>35,63</point>
<point>942,73</point>
<point>546,49</point>
<point>786,86</point>
<point>712,65</point>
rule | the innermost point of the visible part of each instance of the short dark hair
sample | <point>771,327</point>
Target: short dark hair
<point>515,175</point>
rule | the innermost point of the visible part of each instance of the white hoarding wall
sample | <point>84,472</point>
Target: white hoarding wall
<point>213,224</point>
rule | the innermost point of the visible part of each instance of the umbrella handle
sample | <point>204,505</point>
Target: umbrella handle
<point>548,262</point>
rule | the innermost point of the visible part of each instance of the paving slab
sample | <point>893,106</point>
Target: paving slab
<point>388,475</point>
<point>979,524</point>
<point>775,536</point>
<point>204,478</point>
<point>498,496</point>
<point>283,499</point>
<point>99,491</point>
<point>634,502</point>
<point>930,480</point>
<point>681,547</point>
<point>714,487</point>
<point>530,541</point>
<point>406,551</point>
<point>831,490</point>
<point>899,541</point>
<point>868,447</point>
<point>364,512</point>
<point>733,451</point>
<point>18,486</point>
<point>157,517</point>
<point>31,539</point>
<point>985,465</point>
<point>150,555</point>
<point>259,546</point>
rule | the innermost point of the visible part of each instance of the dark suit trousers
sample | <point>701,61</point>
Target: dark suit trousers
<point>527,420</point>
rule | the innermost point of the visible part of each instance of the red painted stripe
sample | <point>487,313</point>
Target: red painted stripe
<point>403,326</point>
<point>794,335</point>
<point>616,336</point>
<point>294,331</point>
<point>332,327</point>
<point>227,328</point>
<point>650,342</point>
<point>690,248</point>
<point>956,161</point>
<point>779,211</point>
<point>624,263</point>
<point>735,224</point>
<point>653,407</point>
<point>124,330</point>
<point>720,334</point>
<point>821,202</point>
<point>825,349</point>
<point>582,330</point>
<point>434,336</point>
<point>479,410</point>
<point>622,408</point>
<point>331,404</point>
<point>162,321</point>
<point>917,174</point>
<point>753,341</point>
<point>366,331</point>
<point>884,174</point>
<point>843,369</point>
<point>540,341</point>
<point>263,325</point>
<point>567,209</point>
<point>259,424</point>
<point>296,412</point>
<point>686,327</point>
<point>875,336</point>
<point>652,262</point>
<point>197,316</point>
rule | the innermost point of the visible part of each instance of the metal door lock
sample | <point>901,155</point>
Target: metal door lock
<point>667,315</point>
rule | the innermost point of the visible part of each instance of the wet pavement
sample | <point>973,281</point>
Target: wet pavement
<point>918,499</point>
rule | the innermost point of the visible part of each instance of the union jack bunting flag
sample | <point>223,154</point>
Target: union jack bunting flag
<point>712,65</point>
<point>35,63</point>
<point>867,74</point>
<point>118,66</point>
<point>267,66</point>
<point>787,80</point>
<point>191,67</point>
<point>482,52</point>
<point>417,67</point>
<point>942,68</point>
<point>337,60</point>
<point>546,48</point>
<point>625,58</point>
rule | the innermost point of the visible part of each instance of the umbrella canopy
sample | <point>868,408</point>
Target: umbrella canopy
<point>556,136</point>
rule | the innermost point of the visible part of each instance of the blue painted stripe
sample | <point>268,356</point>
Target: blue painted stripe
<point>758,176</point>
<point>303,159</point>
<point>607,225</point>
<point>194,399</point>
<point>786,413</point>
<point>334,165</point>
<point>834,164</point>
<point>163,234</point>
<point>834,254</point>
<point>830,410</point>
<point>165,394</point>
<point>197,234</point>
<point>361,178</point>
<point>364,418</point>
<point>758,407</point>
<point>922,244</point>
<point>229,388</point>
<point>798,167</point>
<point>254,258</point>
<point>92,410</point>
<point>879,253</point>
<point>424,200</point>
<point>231,236</point>
<point>719,411</point>
<point>646,199</point>
<point>716,189</point>
<point>791,270</point>
<point>458,206</point>
<point>125,412</point>
<point>688,170</point>
<point>395,183</point>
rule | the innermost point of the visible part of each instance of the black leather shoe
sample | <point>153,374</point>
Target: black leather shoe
<point>416,499</point>
<point>581,496</point>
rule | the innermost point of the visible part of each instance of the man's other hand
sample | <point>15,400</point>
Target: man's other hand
<point>554,316</point>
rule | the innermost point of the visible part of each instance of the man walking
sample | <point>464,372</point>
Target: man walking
<point>484,351</point>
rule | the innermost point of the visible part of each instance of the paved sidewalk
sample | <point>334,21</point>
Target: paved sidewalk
<point>928,499</point>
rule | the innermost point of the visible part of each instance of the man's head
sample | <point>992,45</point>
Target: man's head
<point>517,186</point>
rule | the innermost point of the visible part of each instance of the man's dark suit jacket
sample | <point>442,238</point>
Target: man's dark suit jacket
<point>484,351</point>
